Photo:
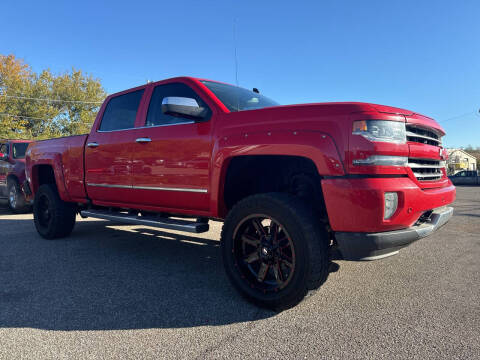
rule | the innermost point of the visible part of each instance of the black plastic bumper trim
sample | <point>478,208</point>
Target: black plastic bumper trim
<point>371,246</point>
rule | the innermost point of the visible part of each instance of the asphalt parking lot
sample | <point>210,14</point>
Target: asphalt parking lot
<point>116,291</point>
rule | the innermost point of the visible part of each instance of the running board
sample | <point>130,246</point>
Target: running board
<point>149,220</point>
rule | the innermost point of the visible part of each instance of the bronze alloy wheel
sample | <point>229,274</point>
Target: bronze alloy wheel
<point>264,253</point>
<point>274,249</point>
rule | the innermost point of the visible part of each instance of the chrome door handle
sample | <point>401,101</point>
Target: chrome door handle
<point>92,145</point>
<point>143,140</point>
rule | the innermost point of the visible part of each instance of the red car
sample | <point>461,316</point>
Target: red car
<point>293,184</point>
<point>12,174</point>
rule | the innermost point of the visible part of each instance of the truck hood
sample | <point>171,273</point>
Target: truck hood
<point>336,108</point>
<point>352,107</point>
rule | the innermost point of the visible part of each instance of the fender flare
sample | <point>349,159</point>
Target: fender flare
<point>316,146</point>
<point>54,160</point>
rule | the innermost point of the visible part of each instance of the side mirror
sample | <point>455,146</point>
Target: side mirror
<point>183,107</point>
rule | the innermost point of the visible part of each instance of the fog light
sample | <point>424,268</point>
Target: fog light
<point>391,204</point>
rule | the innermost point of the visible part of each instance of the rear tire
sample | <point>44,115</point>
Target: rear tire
<point>16,199</point>
<point>54,218</point>
<point>274,250</point>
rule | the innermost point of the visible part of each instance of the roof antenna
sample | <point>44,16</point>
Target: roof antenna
<point>235,46</point>
<point>236,60</point>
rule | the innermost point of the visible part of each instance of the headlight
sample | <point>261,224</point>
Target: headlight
<point>381,130</point>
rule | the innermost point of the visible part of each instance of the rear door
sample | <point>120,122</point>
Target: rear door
<point>172,153</point>
<point>108,152</point>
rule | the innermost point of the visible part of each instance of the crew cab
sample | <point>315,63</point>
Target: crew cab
<point>12,174</point>
<point>293,184</point>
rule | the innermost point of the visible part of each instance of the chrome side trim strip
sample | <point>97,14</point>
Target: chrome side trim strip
<point>111,186</point>
<point>170,189</point>
<point>204,191</point>
<point>148,127</point>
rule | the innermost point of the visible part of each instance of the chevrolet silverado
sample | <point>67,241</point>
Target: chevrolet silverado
<point>294,185</point>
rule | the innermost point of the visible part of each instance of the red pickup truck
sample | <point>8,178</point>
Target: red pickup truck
<point>12,174</point>
<point>293,184</point>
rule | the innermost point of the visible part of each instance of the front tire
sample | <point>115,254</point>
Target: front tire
<point>53,217</point>
<point>16,199</point>
<point>274,250</point>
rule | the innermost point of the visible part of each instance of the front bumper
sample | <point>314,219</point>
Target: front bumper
<point>357,204</point>
<point>372,246</point>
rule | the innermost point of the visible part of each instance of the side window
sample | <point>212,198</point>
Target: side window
<point>4,148</point>
<point>19,150</point>
<point>121,112</point>
<point>155,114</point>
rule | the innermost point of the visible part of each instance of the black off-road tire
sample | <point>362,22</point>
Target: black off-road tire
<point>60,220</point>
<point>18,204</point>
<point>310,241</point>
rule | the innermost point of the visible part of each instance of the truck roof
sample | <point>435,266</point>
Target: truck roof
<point>176,78</point>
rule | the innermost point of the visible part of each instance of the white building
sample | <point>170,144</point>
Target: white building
<point>459,159</point>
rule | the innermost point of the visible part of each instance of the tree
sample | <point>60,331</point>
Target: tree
<point>44,105</point>
<point>14,75</point>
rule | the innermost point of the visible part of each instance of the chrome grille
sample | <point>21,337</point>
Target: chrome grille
<point>423,135</point>
<point>426,169</point>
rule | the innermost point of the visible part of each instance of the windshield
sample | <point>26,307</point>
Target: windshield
<point>236,98</point>
<point>19,150</point>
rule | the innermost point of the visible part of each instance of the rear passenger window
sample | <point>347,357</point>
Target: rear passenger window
<point>121,112</point>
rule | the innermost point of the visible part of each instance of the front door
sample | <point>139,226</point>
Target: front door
<point>108,152</point>
<point>172,154</point>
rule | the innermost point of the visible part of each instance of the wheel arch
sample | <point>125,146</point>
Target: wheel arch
<point>313,147</point>
<point>12,177</point>
<point>49,172</point>
<point>248,175</point>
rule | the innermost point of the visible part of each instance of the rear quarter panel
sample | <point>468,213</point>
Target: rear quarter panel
<point>66,157</point>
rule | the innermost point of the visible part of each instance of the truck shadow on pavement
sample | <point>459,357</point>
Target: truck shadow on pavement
<point>108,276</point>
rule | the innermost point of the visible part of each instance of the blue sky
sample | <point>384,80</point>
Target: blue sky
<point>420,55</point>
